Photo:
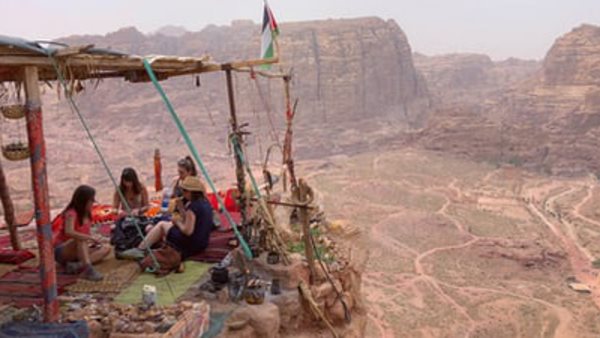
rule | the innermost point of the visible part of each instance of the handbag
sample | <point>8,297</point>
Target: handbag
<point>167,257</point>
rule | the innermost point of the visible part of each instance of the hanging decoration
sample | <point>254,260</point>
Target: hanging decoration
<point>13,139</point>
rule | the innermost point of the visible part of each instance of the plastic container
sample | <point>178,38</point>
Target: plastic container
<point>164,206</point>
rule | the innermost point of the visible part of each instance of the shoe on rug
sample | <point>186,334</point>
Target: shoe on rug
<point>133,254</point>
<point>92,274</point>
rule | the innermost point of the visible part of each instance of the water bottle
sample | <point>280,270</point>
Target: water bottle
<point>164,207</point>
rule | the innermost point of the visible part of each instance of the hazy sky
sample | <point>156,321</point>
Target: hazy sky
<point>500,28</point>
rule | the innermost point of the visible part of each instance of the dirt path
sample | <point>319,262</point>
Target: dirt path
<point>577,208</point>
<point>580,263</point>
<point>564,316</point>
<point>390,281</point>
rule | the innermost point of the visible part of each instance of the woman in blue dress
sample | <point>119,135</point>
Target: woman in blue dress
<point>188,235</point>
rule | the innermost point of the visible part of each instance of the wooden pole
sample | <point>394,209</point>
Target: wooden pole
<point>9,211</point>
<point>37,148</point>
<point>305,196</point>
<point>288,161</point>
<point>239,166</point>
<point>158,185</point>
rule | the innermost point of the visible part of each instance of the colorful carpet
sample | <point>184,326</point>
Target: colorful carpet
<point>177,283</point>
<point>225,225</point>
<point>8,256</point>
<point>218,247</point>
<point>22,286</point>
<point>117,274</point>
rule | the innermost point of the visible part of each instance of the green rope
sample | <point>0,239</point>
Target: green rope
<point>75,109</point>
<point>194,152</point>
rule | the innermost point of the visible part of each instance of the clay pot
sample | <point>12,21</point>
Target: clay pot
<point>219,274</point>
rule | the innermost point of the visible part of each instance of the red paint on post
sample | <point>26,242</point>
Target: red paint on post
<point>39,179</point>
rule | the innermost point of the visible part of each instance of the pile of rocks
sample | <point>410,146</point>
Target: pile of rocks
<point>110,318</point>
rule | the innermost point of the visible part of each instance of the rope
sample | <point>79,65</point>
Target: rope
<point>267,107</point>
<point>194,152</point>
<point>75,109</point>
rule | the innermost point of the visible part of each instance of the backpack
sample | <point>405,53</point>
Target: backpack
<point>125,235</point>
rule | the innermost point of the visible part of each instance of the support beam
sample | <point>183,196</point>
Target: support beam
<point>288,160</point>
<point>158,185</point>
<point>239,166</point>
<point>9,211</point>
<point>39,179</point>
<point>129,67</point>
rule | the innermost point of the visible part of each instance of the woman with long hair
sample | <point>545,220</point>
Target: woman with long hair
<point>72,237</point>
<point>185,168</point>
<point>134,191</point>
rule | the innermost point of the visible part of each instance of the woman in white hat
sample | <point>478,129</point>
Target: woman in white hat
<point>188,235</point>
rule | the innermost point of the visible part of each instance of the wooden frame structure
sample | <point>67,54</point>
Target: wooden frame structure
<point>30,63</point>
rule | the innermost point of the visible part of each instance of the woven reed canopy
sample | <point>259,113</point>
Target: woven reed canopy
<point>88,62</point>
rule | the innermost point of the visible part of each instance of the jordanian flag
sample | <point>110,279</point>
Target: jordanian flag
<point>270,31</point>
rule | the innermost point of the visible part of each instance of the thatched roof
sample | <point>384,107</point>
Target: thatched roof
<point>87,62</point>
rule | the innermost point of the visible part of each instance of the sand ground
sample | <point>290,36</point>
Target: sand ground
<point>459,249</point>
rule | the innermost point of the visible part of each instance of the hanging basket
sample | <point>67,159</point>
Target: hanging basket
<point>13,112</point>
<point>15,152</point>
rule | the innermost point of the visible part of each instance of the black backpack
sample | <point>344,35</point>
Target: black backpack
<point>126,235</point>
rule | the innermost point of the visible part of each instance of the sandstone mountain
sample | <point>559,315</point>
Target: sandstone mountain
<point>346,69</point>
<point>548,122</point>
<point>353,77</point>
<point>471,78</point>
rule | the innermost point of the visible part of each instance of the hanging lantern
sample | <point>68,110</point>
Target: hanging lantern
<point>13,141</point>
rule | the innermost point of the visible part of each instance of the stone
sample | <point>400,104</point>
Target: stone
<point>95,329</point>
<point>244,332</point>
<point>263,318</point>
<point>223,296</point>
<point>291,311</point>
<point>288,275</point>
<point>322,290</point>
<point>149,327</point>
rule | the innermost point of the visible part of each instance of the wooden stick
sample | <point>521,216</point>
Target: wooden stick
<point>304,196</point>
<point>9,211</point>
<point>262,73</point>
<point>305,292</point>
<point>285,204</point>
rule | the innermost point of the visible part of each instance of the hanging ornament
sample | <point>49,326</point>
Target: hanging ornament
<point>13,138</point>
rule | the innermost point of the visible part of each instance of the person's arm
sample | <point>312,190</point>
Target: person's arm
<point>145,199</point>
<point>187,226</point>
<point>173,186</point>
<point>71,232</point>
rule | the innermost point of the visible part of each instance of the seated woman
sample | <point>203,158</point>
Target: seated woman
<point>189,235</point>
<point>134,191</point>
<point>185,168</point>
<point>71,231</point>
